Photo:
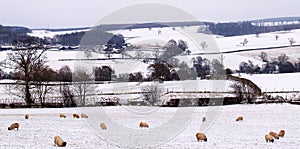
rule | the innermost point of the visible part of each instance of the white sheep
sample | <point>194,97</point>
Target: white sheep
<point>103,126</point>
<point>269,138</point>
<point>14,126</point>
<point>144,124</point>
<point>201,137</point>
<point>59,141</point>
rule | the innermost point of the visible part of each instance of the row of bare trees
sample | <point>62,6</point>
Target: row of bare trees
<point>35,80</point>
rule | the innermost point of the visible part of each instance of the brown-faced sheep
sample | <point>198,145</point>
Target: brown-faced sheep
<point>59,141</point>
<point>14,126</point>
<point>103,126</point>
<point>281,133</point>
<point>61,115</point>
<point>75,116</point>
<point>274,134</point>
<point>269,138</point>
<point>201,137</point>
<point>83,115</point>
<point>144,124</point>
<point>26,116</point>
<point>240,118</point>
<point>203,119</point>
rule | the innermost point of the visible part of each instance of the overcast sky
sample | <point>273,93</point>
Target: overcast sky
<point>81,13</point>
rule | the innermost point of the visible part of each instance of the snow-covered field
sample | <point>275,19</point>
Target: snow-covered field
<point>169,127</point>
<point>50,34</point>
<point>145,37</point>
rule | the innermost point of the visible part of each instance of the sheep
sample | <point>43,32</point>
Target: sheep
<point>83,115</point>
<point>26,116</point>
<point>274,134</point>
<point>281,133</point>
<point>203,119</point>
<point>201,137</point>
<point>75,116</point>
<point>269,138</point>
<point>240,118</point>
<point>103,126</point>
<point>144,124</point>
<point>61,115</point>
<point>59,141</point>
<point>13,126</point>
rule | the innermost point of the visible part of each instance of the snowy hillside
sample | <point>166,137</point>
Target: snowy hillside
<point>158,37</point>
<point>50,34</point>
<point>223,44</point>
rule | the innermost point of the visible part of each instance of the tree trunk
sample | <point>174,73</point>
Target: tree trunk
<point>27,89</point>
<point>27,94</point>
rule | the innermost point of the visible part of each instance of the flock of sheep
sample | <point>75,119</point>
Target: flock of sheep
<point>269,137</point>
<point>58,141</point>
<point>273,135</point>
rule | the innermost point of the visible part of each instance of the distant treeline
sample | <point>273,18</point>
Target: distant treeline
<point>10,33</point>
<point>92,37</point>
<point>245,28</point>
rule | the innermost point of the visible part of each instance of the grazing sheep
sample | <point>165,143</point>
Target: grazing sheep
<point>26,116</point>
<point>201,137</point>
<point>274,134</point>
<point>281,133</point>
<point>75,116</point>
<point>61,115</point>
<point>269,138</point>
<point>13,126</point>
<point>83,115</point>
<point>203,119</point>
<point>103,126</point>
<point>240,118</point>
<point>59,141</point>
<point>144,124</point>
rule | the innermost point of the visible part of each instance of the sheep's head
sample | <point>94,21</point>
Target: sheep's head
<point>64,144</point>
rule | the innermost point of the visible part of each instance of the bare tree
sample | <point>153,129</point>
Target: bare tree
<point>291,41</point>
<point>283,58</point>
<point>217,68</point>
<point>87,54</point>
<point>263,56</point>
<point>152,94</point>
<point>83,84</point>
<point>24,61</point>
<point>183,45</point>
<point>68,96</point>
<point>65,74</point>
<point>42,75</point>
<point>244,42</point>
<point>244,92</point>
<point>204,45</point>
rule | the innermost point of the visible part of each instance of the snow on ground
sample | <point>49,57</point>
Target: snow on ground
<point>292,52</point>
<point>122,121</point>
<point>50,34</point>
<point>146,37</point>
<point>223,44</point>
<point>263,41</point>
<point>275,82</point>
